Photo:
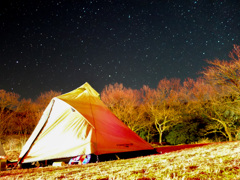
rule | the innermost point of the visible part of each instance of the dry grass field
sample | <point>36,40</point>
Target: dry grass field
<point>213,161</point>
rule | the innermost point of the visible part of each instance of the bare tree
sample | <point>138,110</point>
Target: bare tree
<point>125,103</point>
<point>8,104</point>
<point>162,105</point>
<point>224,114</point>
<point>225,73</point>
<point>223,107</point>
<point>43,100</point>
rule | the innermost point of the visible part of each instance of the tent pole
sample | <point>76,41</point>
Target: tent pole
<point>98,159</point>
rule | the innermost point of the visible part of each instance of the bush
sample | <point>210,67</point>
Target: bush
<point>184,133</point>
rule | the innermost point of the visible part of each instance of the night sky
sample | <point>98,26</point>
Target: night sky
<point>59,45</point>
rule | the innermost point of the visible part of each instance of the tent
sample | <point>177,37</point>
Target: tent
<point>2,152</point>
<point>78,123</point>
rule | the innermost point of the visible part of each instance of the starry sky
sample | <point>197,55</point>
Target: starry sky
<point>59,45</point>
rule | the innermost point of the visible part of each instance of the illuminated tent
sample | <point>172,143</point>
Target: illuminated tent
<point>78,123</point>
<point>2,152</point>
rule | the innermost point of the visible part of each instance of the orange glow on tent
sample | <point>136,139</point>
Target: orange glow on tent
<point>79,123</point>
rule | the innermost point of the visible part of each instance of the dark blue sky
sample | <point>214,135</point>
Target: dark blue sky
<point>59,45</point>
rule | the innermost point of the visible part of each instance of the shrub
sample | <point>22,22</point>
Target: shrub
<point>183,133</point>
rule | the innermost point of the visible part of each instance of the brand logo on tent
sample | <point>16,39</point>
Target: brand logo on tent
<point>125,145</point>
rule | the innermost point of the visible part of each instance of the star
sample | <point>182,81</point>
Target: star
<point>56,45</point>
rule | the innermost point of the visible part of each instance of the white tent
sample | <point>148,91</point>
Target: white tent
<point>78,123</point>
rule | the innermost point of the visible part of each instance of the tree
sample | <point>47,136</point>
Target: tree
<point>125,103</point>
<point>225,116</point>
<point>8,104</point>
<point>225,73</point>
<point>21,116</point>
<point>224,77</point>
<point>192,94</point>
<point>43,100</point>
<point>26,117</point>
<point>162,105</point>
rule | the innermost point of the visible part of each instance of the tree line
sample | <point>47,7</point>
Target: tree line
<point>20,116</point>
<point>174,112</point>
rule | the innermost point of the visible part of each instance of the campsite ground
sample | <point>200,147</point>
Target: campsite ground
<point>211,161</point>
<point>167,149</point>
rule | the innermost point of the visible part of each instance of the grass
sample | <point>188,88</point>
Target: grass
<point>214,161</point>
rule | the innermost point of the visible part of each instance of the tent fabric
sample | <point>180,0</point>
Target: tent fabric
<point>2,152</point>
<point>78,123</point>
